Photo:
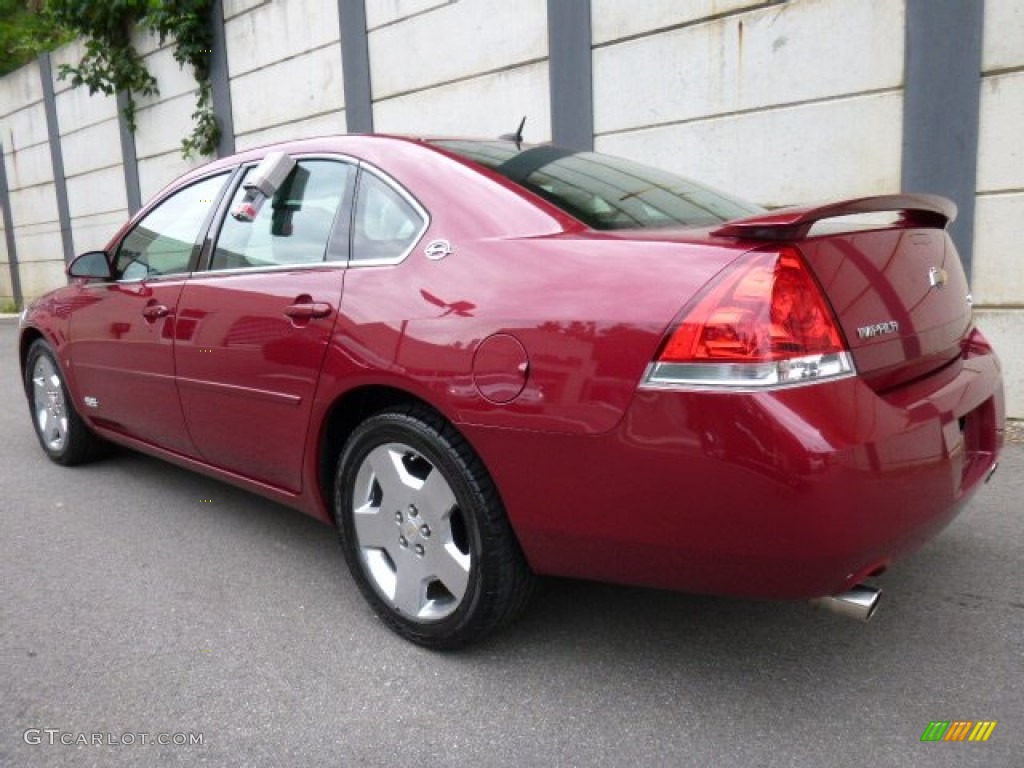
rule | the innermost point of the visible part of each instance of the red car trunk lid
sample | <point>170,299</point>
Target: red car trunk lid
<point>899,292</point>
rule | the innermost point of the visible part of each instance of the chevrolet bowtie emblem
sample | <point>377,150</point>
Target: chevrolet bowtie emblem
<point>937,277</point>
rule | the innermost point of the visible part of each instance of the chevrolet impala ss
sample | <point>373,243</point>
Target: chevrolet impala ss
<point>484,361</point>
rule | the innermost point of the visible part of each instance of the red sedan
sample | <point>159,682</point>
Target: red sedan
<point>484,361</point>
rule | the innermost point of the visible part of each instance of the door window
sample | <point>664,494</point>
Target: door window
<point>164,241</point>
<point>293,227</point>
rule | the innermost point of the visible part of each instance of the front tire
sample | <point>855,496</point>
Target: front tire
<point>424,531</point>
<point>62,433</point>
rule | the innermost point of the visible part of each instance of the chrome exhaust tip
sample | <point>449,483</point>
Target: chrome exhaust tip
<point>859,602</point>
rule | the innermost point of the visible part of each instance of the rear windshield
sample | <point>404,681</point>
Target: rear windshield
<point>601,191</point>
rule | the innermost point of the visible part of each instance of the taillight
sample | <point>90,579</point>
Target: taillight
<point>763,323</point>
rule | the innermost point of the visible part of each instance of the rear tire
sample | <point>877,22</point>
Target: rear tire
<point>62,433</point>
<point>424,531</point>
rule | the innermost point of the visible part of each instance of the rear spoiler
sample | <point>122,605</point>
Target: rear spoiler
<point>794,223</point>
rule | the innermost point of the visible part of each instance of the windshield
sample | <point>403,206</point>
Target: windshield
<point>602,191</point>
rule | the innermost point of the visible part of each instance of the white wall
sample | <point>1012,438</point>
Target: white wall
<point>778,102</point>
<point>473,67</point>
<point>163,120</point>
<point>758,103</point>
<point>91,149</point>
<point>998,277</point>
<point>284,64</point>
<point>33,197</point>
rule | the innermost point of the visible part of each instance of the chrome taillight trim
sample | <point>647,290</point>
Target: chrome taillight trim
<point>749,377</point>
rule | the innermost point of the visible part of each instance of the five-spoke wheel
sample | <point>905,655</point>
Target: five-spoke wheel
<point>424,531</point>
<point>65,437</point>
<point>49,404</point>
<point>410,531</point>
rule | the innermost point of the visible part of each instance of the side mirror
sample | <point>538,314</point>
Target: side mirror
<point>92,264</point>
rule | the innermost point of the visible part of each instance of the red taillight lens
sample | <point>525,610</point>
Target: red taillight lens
<point>765,322</point>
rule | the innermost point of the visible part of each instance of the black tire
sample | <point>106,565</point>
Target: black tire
<point>475,536</point>
<point>62,433</point>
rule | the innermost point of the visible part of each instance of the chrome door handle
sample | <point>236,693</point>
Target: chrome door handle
<point>308,310</point>
<point>155,311</point>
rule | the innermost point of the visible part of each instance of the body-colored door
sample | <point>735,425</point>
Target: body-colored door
<point>254,329</point>
<point>121,348</point>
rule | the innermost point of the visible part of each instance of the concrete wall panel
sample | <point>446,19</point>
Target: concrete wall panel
<point>98,146</point>
<point>615,19</point>
<point>323,125</point>
<point>158,171</point>
<point>998,277</point>
<point>819,151</point>
<point>382,12</point>
<point>1000,132</point>
<point>293,89</point>
<point>172,79</point>
<point>93,232</point>
<point>25,128</point>
<point>1003,40</point>
<point>161,126</point>
<point>33,205</point>
<point>277,31</point>
<point>77,109</point>
<point>38,277</point>
<point>1005,329</point>
<point>234,7</point>
<point>20,88</point>
<point>772,56</point>
<point>29,167</point>
<point>39,242</point>
<point>487,106</point>
<point>455,41</point>
<point>99,191</point>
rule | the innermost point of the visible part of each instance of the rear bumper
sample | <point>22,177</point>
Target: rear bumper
<point>793,494</point>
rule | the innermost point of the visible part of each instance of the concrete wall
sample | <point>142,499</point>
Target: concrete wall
<point>164,120</point>
<point>998,279</point>
<point>459,68</point>
<point>758,100</point>
<point>91,149</point>
<point>780,102</point>
<point>32,196</point>
<point>285,70</point>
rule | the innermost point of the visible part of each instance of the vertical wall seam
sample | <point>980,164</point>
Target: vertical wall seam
<point>129,160</point>
<point>570,66</point>
<point>56,157</point>
<point>220,82</point>
<point>355,65</point>
<point>941,106</point>
<point>12,248</point>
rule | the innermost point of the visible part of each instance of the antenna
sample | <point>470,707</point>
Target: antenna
<point>517,137</point>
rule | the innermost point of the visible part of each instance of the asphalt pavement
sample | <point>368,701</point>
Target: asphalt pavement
<point>140,602</point>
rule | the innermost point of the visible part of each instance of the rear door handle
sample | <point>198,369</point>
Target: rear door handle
<point>308,310</point>
<point>155,311</point>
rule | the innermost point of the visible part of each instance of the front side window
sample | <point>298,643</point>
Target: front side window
<point>292,227</point>
<point>163,242</point>
<point>385,224</point>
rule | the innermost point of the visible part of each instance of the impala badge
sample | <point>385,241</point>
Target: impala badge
<point>937,277</point>
<point>437,249</point>
<point>91,402</point>
<point>878,329</point>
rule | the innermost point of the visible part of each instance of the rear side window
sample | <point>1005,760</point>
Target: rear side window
<point>602,191</point>
<point>293,227</point>
<point>385,225</point>
<point>164,240</point>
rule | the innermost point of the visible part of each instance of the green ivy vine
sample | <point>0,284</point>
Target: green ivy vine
<point>111,64</point>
